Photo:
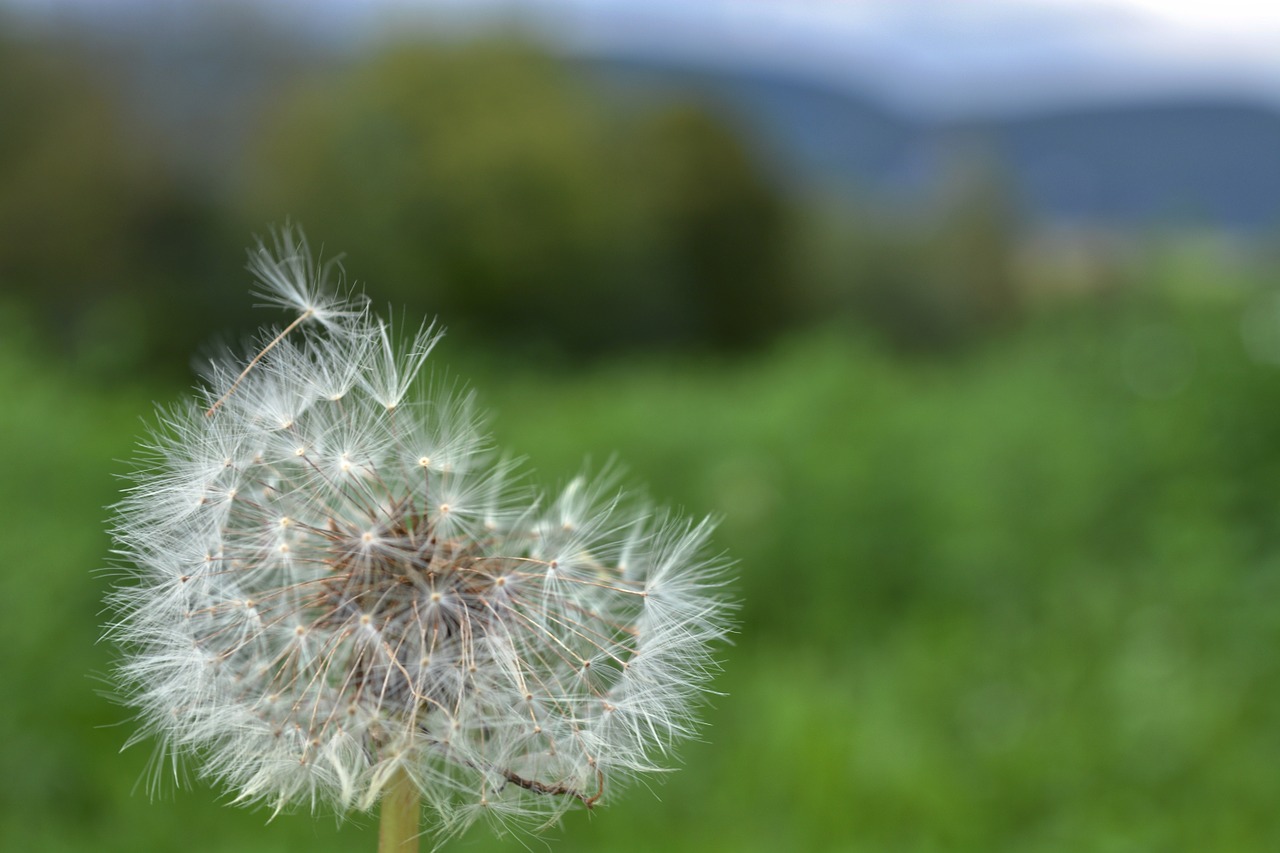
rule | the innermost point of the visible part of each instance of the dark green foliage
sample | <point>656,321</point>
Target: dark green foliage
<point>717,229</point>
<point>483,183</point>
<point>103,239</point>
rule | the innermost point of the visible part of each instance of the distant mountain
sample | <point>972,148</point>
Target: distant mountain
<point>1197,162</point>
<point>1203,162</point>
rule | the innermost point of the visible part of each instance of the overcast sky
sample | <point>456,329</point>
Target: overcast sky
<point>932,56</point>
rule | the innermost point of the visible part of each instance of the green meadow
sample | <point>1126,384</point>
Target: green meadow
<point>1022,598</point>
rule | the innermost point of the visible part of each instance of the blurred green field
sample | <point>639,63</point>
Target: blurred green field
<point>1021,600</point>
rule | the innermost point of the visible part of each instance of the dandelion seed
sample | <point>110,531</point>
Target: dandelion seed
<point>341,599</point>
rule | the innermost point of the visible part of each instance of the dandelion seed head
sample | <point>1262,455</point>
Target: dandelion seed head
<point>336,580</point>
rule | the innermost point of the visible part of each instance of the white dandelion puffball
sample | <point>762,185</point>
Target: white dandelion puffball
<point>333,582</point>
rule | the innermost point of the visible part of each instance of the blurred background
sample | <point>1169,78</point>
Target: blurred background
<point>964,317</point>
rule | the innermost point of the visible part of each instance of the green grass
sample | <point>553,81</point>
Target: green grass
<point>1002,603</point>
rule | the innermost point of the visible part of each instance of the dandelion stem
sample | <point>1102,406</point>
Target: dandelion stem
<point>234,385</point>
<point>398,832</point>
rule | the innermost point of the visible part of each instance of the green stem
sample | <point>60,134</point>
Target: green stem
<point>399,828</point>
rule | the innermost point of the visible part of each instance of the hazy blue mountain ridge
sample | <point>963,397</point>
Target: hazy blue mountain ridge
<point>1198,161</point>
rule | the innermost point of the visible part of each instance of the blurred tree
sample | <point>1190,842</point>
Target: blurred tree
<point>63,177</point>
<point>972,243</point>
<point>944,279</point>
<point>478,181</point>
<point>722,224</point>
<point>99,240</point>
